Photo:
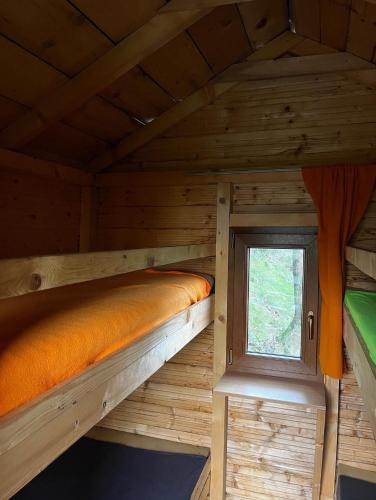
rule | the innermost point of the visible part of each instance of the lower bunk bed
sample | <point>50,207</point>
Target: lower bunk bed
<point>360,341</point>
<point>69,355</point>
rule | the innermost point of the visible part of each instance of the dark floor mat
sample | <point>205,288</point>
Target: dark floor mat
<point>350,488</point>
<point>97,470</point>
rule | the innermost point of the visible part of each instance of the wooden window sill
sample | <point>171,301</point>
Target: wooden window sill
<point>276,389</point>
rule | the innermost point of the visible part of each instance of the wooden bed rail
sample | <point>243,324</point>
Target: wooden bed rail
<point>364,260</point>
<point>30,274</point>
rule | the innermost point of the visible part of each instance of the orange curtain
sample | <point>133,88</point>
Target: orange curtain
<point>341,196</point>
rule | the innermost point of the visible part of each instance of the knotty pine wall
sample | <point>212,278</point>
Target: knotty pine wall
<point>302,120</point>
<point>38,215</point>
<point>270,447</point>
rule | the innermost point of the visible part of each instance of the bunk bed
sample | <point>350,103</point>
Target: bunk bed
<point>360,330</point>
<point>36,432</point>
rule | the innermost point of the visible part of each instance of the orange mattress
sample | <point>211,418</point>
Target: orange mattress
<point>49,336</point>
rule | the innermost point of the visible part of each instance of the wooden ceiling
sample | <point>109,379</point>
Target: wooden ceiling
<point>87,82</point>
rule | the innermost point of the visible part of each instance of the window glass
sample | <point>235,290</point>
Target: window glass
<point>275,300</point>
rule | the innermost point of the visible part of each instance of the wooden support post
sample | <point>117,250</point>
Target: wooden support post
<point>219,447</point>
<point>331,436</point>
<point>219,429</point>
<point>221,273</point>
<point>88,218</point>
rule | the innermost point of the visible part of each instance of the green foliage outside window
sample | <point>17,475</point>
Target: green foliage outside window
<point>275,284</point>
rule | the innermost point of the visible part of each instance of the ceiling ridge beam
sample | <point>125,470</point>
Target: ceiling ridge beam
<point>97,76</point>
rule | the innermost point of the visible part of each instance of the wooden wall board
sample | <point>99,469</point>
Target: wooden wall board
<point>38,215</point>
<point>363,260</point>
<point>362,30</point>
<point>335,17</point>
<point>17,162</point>
<point>263,123</point>
<point>118,18</point>
<point>356,442</point>
<point>306,18</point>
<point>178,67</point>
<point>221,37</point>
<point>270,450</point>
<point>264,20</point>
<point>138,94</point>
<point>54,31</point>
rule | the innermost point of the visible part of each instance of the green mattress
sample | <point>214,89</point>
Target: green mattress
<point>362,308</point>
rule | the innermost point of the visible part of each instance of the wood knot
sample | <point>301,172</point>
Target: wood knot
<point>262,23</point>
<point>221,318</point>
<point>222,200</point>
<point>35,281</point>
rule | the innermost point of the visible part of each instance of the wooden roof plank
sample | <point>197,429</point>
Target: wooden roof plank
<point>334,18</point>
<point>119,18</point>
<point>54,31</point>
<point>154,34</point>
<point>306,18</point>
<point>178,67</point>
<point>221,37</point>
<point>264,20</point>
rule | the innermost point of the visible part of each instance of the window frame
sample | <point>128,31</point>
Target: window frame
<point>307,366</point>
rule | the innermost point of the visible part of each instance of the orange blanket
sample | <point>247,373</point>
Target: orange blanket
<point>46,337</point>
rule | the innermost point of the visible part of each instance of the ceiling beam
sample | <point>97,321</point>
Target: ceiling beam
<point>202,97</point>
<point>19,162</point>
<point>184,5</point>
<point>100,74</point>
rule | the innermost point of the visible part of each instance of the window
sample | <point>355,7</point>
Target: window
<point>273,326</point>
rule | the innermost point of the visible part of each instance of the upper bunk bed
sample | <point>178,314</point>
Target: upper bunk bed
<point>360,330</point>
<point>99,326</point>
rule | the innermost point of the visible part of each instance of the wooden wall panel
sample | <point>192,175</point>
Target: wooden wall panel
<point>271,123</point>
<point>356,442</point>
<point>365,238</point>
<point>38,215</point>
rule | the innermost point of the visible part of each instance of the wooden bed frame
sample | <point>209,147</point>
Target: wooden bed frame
<point>364,370</point>
<point>32,436</point>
